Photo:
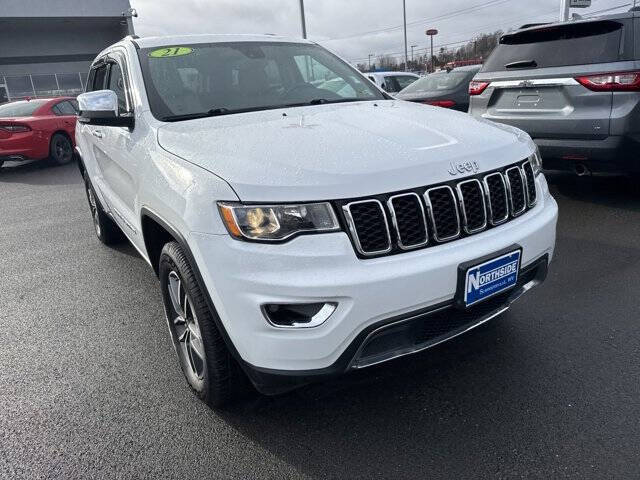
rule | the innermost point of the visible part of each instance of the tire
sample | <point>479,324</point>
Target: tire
<point>60,149</point>
<point>106,229</point>
<point>210,370</point>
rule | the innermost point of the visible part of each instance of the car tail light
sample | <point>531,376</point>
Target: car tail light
<point>612,82</point>
<point>440,103</point>
<point>15,128</point>
<point>476,88</point>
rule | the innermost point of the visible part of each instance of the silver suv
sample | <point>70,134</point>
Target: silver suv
<point>574,87</point>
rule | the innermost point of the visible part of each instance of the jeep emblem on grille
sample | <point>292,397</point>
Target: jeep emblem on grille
<point>464,167</point>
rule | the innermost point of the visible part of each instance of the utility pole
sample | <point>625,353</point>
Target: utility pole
<point>302,20</point>
<point>564,10</point>
<point>412,47</point>
<point>370,55</point>
<point>404,15</point>
<point>431,33</point>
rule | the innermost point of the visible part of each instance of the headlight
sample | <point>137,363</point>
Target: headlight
<point>536,162</point>
<point>277,222</point>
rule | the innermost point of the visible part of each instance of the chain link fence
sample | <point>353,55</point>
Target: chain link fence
<point>17,87</point>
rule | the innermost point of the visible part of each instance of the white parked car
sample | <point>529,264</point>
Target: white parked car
<point>298,233</point>
<point>392,82</point>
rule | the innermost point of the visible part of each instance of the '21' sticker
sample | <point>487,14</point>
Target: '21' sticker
<point>170,52</point>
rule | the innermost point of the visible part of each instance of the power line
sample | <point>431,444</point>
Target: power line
<point>420,21</point>
<point>478,30</point>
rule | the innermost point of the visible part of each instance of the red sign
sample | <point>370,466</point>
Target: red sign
<point>432,31</point>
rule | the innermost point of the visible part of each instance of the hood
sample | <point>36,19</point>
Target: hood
<point>340,151</point>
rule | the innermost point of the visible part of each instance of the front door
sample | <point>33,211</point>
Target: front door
<point>118,165</point>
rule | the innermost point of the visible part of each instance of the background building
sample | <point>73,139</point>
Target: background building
<point>46,46</point>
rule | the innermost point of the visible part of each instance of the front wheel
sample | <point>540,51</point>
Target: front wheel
<point>211,372</point>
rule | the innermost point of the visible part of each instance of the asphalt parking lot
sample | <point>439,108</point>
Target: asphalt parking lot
<point>90,387</point>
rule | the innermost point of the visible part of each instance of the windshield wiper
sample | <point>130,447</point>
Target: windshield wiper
<point>522,64</point>
<point>214,112</point>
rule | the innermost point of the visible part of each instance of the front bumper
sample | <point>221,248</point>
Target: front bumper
<point>241,276</point>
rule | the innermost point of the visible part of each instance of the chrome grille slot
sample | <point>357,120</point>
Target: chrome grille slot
<point>516,188</point>
<point>443,213</point>
<point>498,204</point>
<point>472,205</point>
<point>425,216</point>
<point>531,183</point>
<point>367,222</point>
<point>409,221</point>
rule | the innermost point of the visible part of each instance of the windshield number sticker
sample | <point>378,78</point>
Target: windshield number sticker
<point>170,52</point>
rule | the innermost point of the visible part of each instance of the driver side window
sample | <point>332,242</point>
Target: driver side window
<point>99,75</point>
<point>116,84</point>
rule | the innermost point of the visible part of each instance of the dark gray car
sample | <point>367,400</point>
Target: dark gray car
<point>443,89</point>
<point>574,87</point>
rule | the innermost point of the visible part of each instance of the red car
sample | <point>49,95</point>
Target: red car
<point>38,129</point>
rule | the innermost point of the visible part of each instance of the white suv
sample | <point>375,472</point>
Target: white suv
<point>297,232</point>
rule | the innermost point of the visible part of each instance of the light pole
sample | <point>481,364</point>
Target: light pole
<point>302,20</point>
<point>404,15</point>
<point>431,32</point>
<point>370,55</point>
<point>564,10</point>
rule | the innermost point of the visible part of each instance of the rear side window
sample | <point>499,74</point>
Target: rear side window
<point>21,109</point>
<point>64,108</point>
<point>563,45</point>
<point>404,81</point>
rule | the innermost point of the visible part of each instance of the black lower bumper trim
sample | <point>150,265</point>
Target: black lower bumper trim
<point>399,336</point>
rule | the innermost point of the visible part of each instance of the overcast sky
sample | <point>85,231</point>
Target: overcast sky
<point>353,28</point>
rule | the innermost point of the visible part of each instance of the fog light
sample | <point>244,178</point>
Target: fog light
<point>298,315</point>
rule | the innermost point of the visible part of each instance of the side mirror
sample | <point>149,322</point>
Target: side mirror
<point>101,108</point>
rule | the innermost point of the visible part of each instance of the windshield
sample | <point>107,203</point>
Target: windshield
<point>20,109</point>
<point>437,82</point>
<point>190,81</point>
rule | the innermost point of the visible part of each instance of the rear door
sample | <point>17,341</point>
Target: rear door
<point>532,77</point>
<point>67,115</point>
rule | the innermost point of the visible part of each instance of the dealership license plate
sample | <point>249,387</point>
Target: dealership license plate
<point>491,277</point>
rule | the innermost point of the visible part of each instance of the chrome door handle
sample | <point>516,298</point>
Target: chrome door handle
<point>96,133</point>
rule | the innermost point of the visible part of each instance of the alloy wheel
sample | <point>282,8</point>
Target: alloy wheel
<point>184,321</point>
<point>62,149</point>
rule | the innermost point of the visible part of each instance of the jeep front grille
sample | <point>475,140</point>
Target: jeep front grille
<point>423,217</point>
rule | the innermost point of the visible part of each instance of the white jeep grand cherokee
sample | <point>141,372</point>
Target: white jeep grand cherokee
<point>303,223</point>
